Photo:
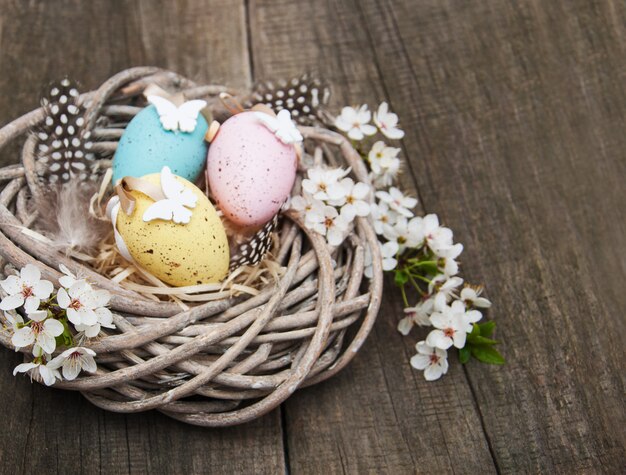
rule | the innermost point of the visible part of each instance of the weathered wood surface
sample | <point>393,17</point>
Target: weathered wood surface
<point>515,115</point>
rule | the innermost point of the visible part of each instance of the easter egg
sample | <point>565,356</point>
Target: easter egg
<point>146,146</point>
<point>250,171</point>
<point>179,254</point>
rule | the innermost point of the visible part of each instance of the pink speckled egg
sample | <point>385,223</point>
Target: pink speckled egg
<point>250,171</point>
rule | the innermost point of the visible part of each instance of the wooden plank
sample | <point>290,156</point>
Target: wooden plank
<point>378,416</point>
<point>516,112</point>
<point>47,430</point>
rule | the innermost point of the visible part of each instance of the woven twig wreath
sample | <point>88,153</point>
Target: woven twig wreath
<point>226,361</point>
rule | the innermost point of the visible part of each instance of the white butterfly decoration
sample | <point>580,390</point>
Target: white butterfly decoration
<point>172,117</point>
<point>282,126</point>
<point>177,200</point>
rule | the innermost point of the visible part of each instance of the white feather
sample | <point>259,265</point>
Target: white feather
<point>66,220</point>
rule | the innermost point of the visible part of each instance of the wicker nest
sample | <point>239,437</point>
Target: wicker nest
<point>222,362</point>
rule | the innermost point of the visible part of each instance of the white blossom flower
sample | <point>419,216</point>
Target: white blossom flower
<point>28,289</point>
<point>82,303</point>
<point>400,233</point>
<point>384,164</point>
<point>434,361</point>
<point>382,216</point>
<point>452,324</point>
<point>388,251</point>
<point>323,184</point>
<point>471,297</point>
<point>379,152</point>
<point>442,288</point>
<point>397,201</point>
<point>47,375</point>
<point>450,329</point>
<point>306,205</point>
<point>418,315</point>
<point>41,331</point>
<point>387,122</point>
<point>447,258</point>
<point>73,361</point>
<point>437,237</point>
<point>329,223</point>
<point>387,175</point>
<point>68,278</point>
<point>105,319</point>
<point>355,121</point>
<point>353,202</point>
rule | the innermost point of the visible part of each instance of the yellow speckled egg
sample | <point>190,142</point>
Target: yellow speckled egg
<point>178,254</point>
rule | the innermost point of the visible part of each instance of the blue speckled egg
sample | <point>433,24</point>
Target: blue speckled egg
<point>146,147</point>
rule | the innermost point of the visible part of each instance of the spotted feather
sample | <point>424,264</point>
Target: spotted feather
<point>252,252</point>
<point>65,147</point>
<point>304,97</point>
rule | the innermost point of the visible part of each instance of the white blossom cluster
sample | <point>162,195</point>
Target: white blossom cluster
<point>330,202</point>
<point>445,306</point>
<point>48,319</point>
<point>451,311</point>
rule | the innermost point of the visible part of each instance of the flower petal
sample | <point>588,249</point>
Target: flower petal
<point>433,372</point>
<point>105,317</point>
<point>436,338</point>
<point>392,133</point>
<point>53,327</point>
<point>405,325</point>
<point>73,316</point>
<point>30,274</point>
<point>12,301</point>
<point>63,299</point>
<point>356,133</point>
<point>79,288</point>
<point>24,367</point>
<point>38,316</point>
<point>88,316</point>
<point>57,361</point>
<point>459,339</point>
<point>88,363</point>
<point>91,331</point>
<point>71,368</point>
<point>67,281</point>
<point>420,361</point>
<point>47,342</point>
<point>334,236</point>
<point>11,285</point>
<point>32,305</point>
<point>48,376</point>
<point>43,289</point>
<point>23,337</point>
<point>368,129</point>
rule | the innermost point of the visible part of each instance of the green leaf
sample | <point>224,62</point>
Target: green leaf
<point>487,328</point>
<point>475,331</point>
<point>401,278</point>
<point>487,354</point>
<point>464,354</point>
<point>424,267</point>
<point>480,340</point>
<point>65,339</point>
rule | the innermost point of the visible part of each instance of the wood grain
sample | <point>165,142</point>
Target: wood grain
<point>53,431</point>
<point>515,114</point>
<point>533,98</point>
<point>515,129</point>
<point>380,416</point>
